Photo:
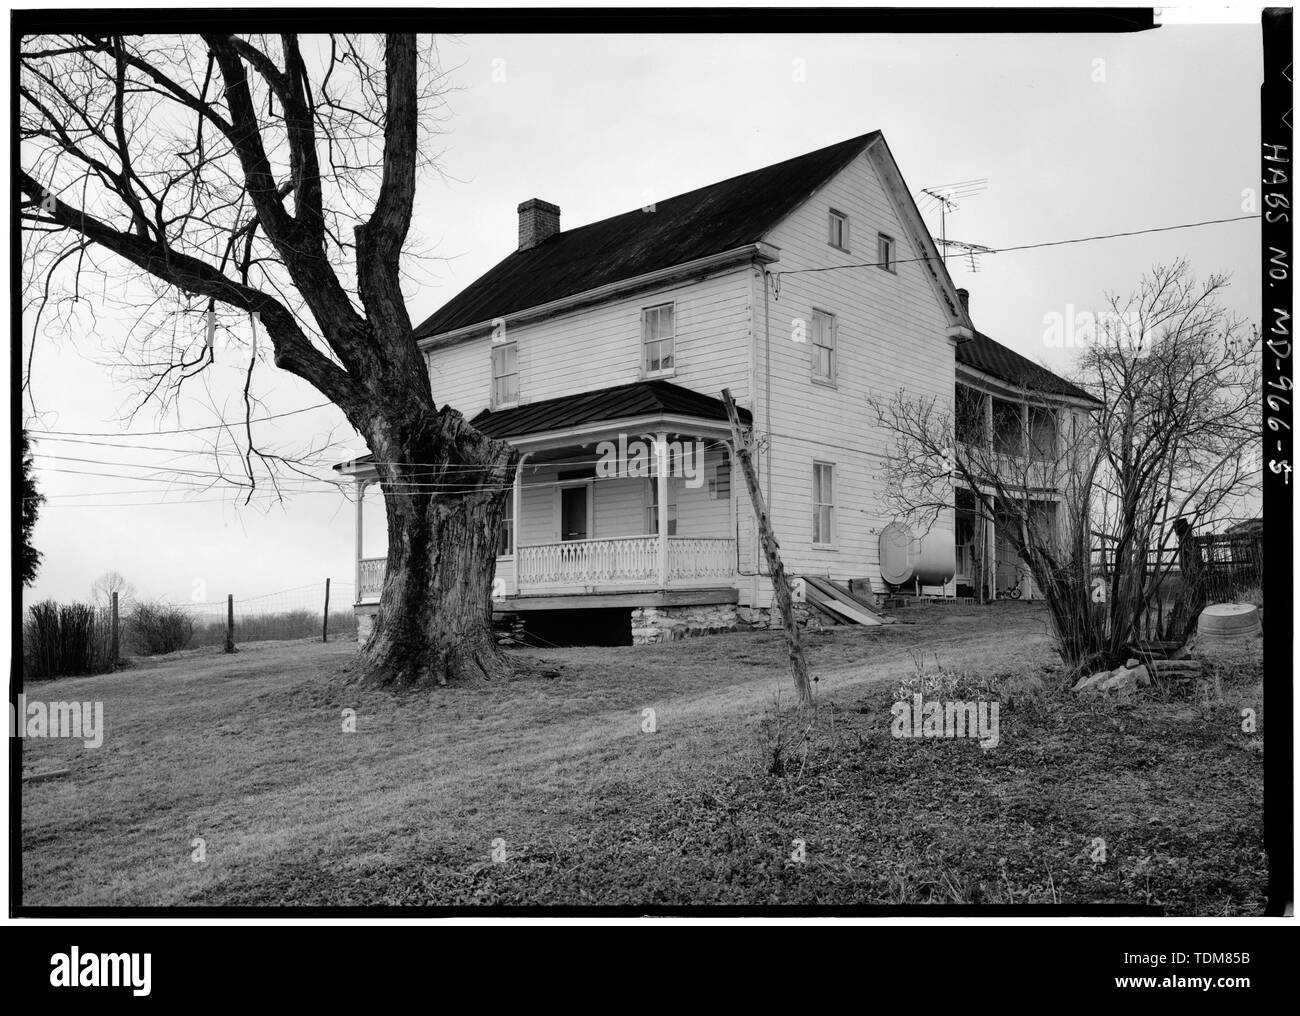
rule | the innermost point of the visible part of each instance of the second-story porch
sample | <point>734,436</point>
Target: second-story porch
<point>625,490</point>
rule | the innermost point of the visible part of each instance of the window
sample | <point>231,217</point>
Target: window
<point>823,503</point>
<point>839,230</point>
<point>506,534</point>
<point>657,339</point>
<point>505,374</point>
<point>971,425</point>
<point>1042,433</point>
<point>885,253</point>
<point>720,485</point>
<point>1008,428</point>
<point>823,346</point>
<point>652,511</point>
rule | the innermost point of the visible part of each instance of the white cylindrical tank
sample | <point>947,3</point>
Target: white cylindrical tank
<point>937,561</point>
<point>897,554</point>
<point>905,559</point>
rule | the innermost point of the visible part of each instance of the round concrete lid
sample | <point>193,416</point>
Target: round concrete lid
<point>1229,609</point>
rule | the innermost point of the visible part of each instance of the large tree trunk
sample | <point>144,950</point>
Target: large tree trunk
<point>445,489</point>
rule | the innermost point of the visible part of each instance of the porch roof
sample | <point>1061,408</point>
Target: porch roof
<point>991,357</point>
<point>605,405</point>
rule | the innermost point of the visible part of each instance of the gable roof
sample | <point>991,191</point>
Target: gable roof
<point>991,357</point>
<point>709,220</point>
<point>623,402</point>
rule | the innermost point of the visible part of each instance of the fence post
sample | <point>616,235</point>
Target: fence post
<point>325,624</point>
<point>230,622</point>
<point>113,645</point>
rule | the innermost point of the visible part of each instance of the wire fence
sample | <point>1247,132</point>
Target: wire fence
<point>297,613</point>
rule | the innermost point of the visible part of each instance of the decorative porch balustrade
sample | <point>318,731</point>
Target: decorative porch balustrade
<point>621,563</point>
<point>371,574</point>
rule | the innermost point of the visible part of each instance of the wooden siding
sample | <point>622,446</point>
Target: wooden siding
<point>891,334</point>
<point>600,347</point>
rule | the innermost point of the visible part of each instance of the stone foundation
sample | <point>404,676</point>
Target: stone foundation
<point>365,622</point>
<point>666,624</point>
<point>770,617</point>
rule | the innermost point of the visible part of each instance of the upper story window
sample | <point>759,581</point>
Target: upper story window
<point>823,503</point>
<point>657,336</point>
<point>885,253</point>
<point>971,423</point>
<point>839,230</point>
<point>1008,428</point>
<point>505,374</point>
<point>1042,433</point>
<point>822,347</point>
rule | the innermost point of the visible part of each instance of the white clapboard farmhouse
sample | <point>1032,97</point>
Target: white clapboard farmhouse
<point>587,346</point>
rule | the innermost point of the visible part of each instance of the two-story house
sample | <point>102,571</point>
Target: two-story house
<point>601,351</point>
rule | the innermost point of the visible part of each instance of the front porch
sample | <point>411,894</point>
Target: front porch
<point>584,526</point>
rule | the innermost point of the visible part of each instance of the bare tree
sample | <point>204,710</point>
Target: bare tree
<point>1177,375</point>
<point>103,588</point>
<point>274,177</point>
<point>1165,451</point>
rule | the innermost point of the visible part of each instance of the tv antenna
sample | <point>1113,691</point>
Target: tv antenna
<point>947,197</point>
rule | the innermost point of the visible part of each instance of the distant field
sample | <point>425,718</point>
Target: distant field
<point>556,775</point>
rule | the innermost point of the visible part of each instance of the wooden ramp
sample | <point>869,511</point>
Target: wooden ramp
<point>835,599</point>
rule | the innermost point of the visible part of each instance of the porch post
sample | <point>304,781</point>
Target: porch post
<point>993,558</point>
<point>518,497</point>
<point>661,468</point>
<point>361,495</point>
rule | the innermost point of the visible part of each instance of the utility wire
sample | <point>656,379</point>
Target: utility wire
<point>1024,246</point>
<point>182,430</point>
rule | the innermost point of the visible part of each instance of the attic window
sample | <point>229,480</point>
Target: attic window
<point>839,230</point>
<point>885,253</point>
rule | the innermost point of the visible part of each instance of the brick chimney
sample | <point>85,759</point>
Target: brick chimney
<point>964,296</point>
<point>538,220</point>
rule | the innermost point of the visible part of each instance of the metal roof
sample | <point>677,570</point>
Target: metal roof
<point>991,357</point>
<point>720,217</point>
<point>623,402</point>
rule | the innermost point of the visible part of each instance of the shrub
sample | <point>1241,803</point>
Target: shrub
<point>155,628</point>
<point>65,640</point>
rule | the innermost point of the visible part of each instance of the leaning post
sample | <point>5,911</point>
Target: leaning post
<point>772,551</point>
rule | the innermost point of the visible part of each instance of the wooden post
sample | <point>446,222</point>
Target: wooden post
<point>361,496</point>
<point>325,625</point>
<point>114,645</point>
<point>772,550</point>
<point>661,492</point>
<point>230,622</point>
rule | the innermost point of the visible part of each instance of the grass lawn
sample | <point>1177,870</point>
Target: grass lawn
<point>556,776</point>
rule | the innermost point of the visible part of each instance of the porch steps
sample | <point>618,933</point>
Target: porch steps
<point>828,596</point>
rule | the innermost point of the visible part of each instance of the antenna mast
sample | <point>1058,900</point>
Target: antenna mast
<point>945,198</point>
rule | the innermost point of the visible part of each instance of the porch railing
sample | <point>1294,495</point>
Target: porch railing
<point>372,577</point>
<point>623,563</point>
<point>589,562</point>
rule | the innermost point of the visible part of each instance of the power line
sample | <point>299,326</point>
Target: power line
<point>160,448</point>
<point>1029,246</point>
<point>182,430</point>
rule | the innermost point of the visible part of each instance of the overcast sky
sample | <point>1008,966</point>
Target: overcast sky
<point>1077,136</point>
